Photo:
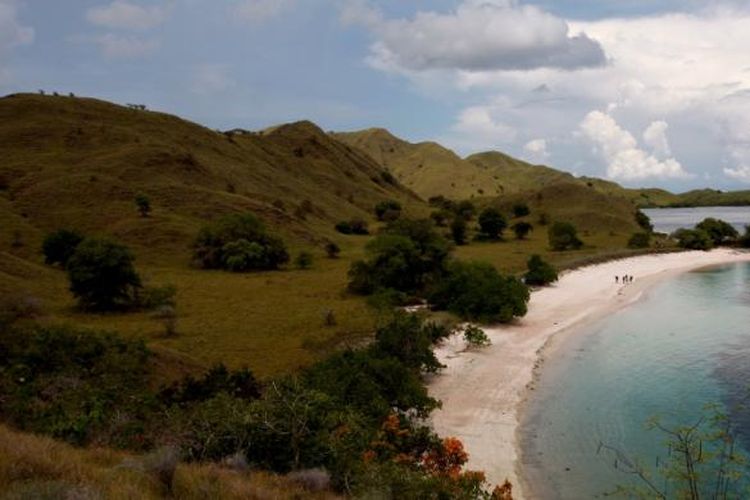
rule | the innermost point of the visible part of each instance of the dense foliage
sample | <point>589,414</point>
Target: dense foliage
<point>693,239</point>
<point>521,210</point>
<point>388,210</point>
<point>640,240</point>
<point>102,276</point>
<point>58,247</point>
<point>408,256</point>
<point>353,226</point>
<point>745,239</point>
<point>522,229</point>
<point>539,272</point>
<point>458,230</point>
<point>721,232</point>
<point>477,292</point>
<point>491,224</point>
<point>563,236</point>
<point>644,221</point>
<point>239,242</point>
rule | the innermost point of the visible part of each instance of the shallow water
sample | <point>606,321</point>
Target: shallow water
<point>684,345</point>
<point>668,220</point>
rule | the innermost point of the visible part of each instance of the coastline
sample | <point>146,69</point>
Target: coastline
<point>484,390</point>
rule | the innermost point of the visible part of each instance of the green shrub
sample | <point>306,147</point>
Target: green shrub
<point>477,292</point>
<point>58,247</point>
<point>640,240</point>
<point>458,230</point>
<point>153,297</point>
<point>239,243</point>
<point>143,202</point>
<point>475,336</point>
<point>332,250</point>
<point>521,210</point>
<point>304,260</point>
<point>102,276</point>
<point>465,209</point>
<point>354,226</point>
<point>745,239</point>
<point>721,232</point>
<point>563,236</point>
<point>522,229</point>
<point>388,210</point>
<point>540,273</point>
<point>644,221</point>
<point>491,224</point>
<point>693,239</point>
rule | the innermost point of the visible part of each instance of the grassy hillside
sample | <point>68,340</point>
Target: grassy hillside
<point>427,168</point>
<point>516,175</point>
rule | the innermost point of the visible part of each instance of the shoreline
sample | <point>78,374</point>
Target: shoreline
<point>484,390</point>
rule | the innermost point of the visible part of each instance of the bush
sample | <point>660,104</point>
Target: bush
<point>354,226</point>
<point>522,229</point>
<point>745,239</point>
<point>477,292</point>
<point>168,317</point>
<point>521,210</point>
<point>58,247</point>
<point>475,336</point>
<point>332,250</point>
<point>388,210</point>
<point>491,224</point>
<point>693,239</point>
<point>643,221</point>
<point>143,202</point>
<point>640,240</point>
<point>441,217</point>
<point>102,276</point>
<point>458,230</point>
<point>304,260</point>
<point>721,232</point>
<point>465,209</point>
<point>153,297</point>
<point>540,273</point>
<point>239,243</point>
<point>563,236</point>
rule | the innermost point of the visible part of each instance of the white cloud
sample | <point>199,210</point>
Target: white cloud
<point>210,79</point>
<point>260,10</point>
<point>741,173</point>
<point>479,35</point>
<point>655,137</point>
<point>478,126</point>
<point>625,160</point>
<point>122,47</point>
<point>12,32</point>
<point>536,151</point>
<point>121,14</point>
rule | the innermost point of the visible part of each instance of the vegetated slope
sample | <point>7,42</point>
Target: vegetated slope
<point>427,168</point>
<point>516,175</point>
<point>79,162</point>
<point>711,197</point>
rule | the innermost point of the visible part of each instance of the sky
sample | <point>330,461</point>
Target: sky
<point>642,92</point>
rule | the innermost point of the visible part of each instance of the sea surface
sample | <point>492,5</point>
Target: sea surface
<point>668,220</point>
<point>684,345</point>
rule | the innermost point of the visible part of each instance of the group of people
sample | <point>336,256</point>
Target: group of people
<point>625,279</point>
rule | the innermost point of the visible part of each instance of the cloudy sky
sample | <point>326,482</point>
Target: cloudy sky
<point>644,92</point>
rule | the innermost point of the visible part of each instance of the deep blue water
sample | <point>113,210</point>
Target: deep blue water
<point>668,220</point>
<point>686,344</point>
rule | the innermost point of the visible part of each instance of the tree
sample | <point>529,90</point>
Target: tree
<point>491,223</point>
<point>693,239</point>
<point>59,246</point>
<point>238,242</point>
<point>539,272</point>
<point>521,210</point>
<point>143,202</point>
<point>102,275</point>
<point>477,292</point>
<point>640,240</point>
<point>388,210</point>
<point>458,230</point>
<point>465,209</point>
<point>304,260</point>
<point>354,226</point>
<point>563,236</point>
<point>745,240</point>
<point>332,250</point>
<point>720,231</point>
<point>644,221</point>
<point>522,229</point>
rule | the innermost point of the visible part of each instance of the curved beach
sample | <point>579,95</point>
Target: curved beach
<point>483,390</point>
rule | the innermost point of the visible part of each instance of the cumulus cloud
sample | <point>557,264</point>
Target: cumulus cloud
<point>480,35</point>
<point>210,79</point>
<point>122,47</point>
<point>12,32</point>
<point>741,173</point>
<point>260,10</point>
<point>625,160</point>
<point>536,150</point>
<point>655,137</point>
<point>122,14</point>
<point>478,125</point>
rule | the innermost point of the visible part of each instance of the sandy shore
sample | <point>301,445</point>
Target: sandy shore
<point>483,390</point>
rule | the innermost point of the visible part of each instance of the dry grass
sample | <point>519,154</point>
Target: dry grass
<point>37,467</point>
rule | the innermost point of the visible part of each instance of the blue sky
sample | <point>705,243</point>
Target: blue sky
<point>644,92</point>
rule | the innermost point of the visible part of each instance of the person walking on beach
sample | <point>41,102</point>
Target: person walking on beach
<point>617,280</point>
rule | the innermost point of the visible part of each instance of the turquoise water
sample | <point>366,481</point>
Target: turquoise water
<point>668,220</point>
<point>684,345</point>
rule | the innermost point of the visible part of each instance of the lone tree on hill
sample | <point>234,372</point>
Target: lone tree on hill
<point>388,210</point>
<point>102,275</point>
<point>58,247</point>
<point>522,229</point>
<point>540,273</point>
<point>521,210</point>
<point>563,236</point>
<point>143,202</point>
<point>492,224</point>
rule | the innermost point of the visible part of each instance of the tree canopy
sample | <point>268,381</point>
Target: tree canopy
<point>563,236</point>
